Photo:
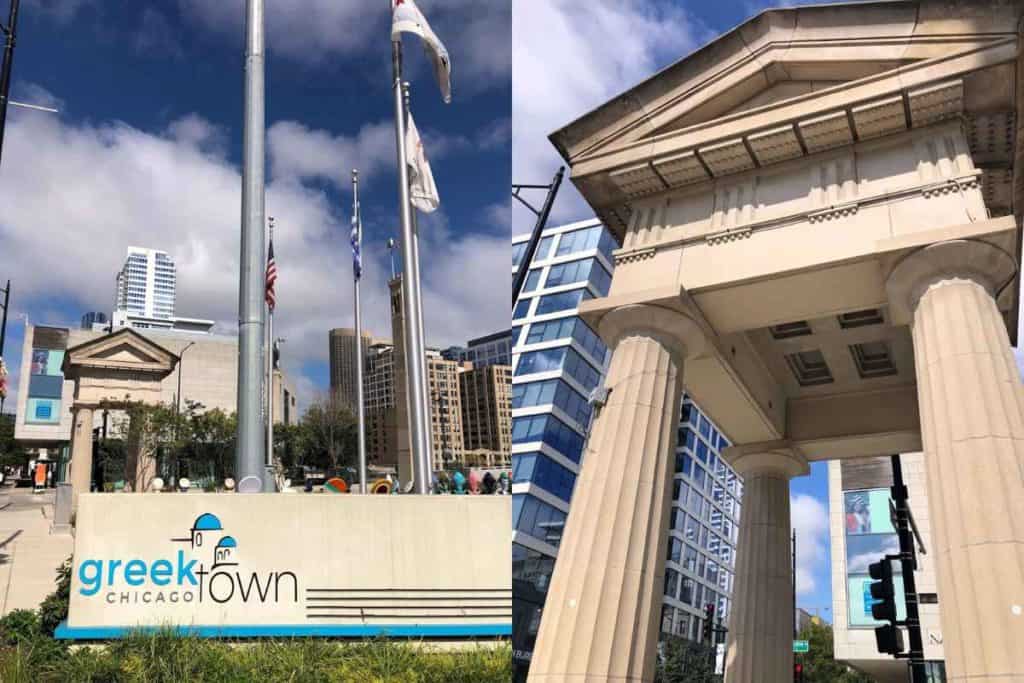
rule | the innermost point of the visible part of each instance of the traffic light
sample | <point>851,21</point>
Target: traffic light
<point>888,638</point>
<point>709,623</point>
<point>798,673</point>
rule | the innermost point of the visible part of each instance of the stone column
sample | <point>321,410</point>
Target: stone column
<point>761,621</point>
<point>972,427</point>
<point>602,614</point>
<point>81,451</point>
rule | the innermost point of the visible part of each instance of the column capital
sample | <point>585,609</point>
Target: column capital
<point>677,332</point>
<point>969,259</point>
<point>773,457</point>
<point>85,405</point>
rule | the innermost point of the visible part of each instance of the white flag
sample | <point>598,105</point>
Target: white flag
<point>407,17</point>
<point>422,190</point>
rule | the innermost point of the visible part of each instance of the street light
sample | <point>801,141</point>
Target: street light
<point>181,355</point>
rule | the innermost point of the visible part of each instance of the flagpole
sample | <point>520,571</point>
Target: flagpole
<point>415,353</point>
<point>250,449</point>
<point>361,410</point>
<point>427,466</point>
<point>269,485</point>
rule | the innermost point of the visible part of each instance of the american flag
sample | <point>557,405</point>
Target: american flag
<point>271,277</point>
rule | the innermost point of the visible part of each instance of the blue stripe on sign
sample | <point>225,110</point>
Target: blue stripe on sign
<point>65,632</point>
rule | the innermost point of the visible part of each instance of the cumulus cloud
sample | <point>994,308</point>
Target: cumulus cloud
<point>76,195</point>
<point>810,519</point>
<point>569,59</point>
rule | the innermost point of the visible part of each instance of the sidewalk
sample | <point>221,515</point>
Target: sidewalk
<point>29,555</point>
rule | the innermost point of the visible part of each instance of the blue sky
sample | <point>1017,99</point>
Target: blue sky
<point>146,151</point>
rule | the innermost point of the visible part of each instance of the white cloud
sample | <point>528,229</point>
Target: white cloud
<point>75,196</point>
<point>569,58</point>
<point>810,519</point>
<point>299,153</point>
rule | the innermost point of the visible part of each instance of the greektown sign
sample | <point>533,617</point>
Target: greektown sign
<point>238,565</point>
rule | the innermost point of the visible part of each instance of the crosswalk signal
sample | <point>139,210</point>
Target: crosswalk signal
<point>798,673</point>
<point>709,622</point>
<point>888,638</point>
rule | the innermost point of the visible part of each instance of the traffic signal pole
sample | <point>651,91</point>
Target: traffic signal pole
<point>908,562</point>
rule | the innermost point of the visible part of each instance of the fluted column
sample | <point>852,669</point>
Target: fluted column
<point>972,427</point>
<point>761,621</point>
<point>601,617</point>
<point>81,451</point>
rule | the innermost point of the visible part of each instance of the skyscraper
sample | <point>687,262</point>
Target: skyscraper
<point>146,284</point>
<point>343,362</point>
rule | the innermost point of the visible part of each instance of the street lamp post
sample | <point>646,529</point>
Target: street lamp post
<point>10,30</point>
<point>3,332</point>
<point>177,407</point>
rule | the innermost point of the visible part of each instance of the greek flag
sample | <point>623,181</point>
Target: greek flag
<point>357,260</point>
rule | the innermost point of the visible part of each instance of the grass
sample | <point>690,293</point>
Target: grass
<point>170,658</point>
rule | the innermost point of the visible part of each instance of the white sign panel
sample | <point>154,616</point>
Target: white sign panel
<point>300,564</point>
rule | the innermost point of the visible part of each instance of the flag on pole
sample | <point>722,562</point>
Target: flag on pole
<point>357,259</point>
<point>422,190</point>
<point>271,277</point>
<point>406,17</point>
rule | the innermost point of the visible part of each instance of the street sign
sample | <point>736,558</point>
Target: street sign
<point>801,646</point>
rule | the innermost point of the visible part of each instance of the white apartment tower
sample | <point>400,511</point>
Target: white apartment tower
<point>146,284</point>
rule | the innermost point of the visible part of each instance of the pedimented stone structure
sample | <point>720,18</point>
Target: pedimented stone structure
<point>119,368</point>
<point>820,216</point>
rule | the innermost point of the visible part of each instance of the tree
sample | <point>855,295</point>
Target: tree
<point>684,661</point>
<point>819,663</point>
<point>327,435</point>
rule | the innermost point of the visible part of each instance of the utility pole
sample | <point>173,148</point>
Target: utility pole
<point>908,563</point>
<point>10,31</point>
<point>251,447</point>
<point>538,227</point>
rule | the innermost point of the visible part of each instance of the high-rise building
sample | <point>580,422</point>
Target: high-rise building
<point>558,361</point>
<point>862,532</point>
<point>492,349</point>
<point>487,410</point>
<point>343,362</point>
<point>146,292</point>
<point>146,284</point>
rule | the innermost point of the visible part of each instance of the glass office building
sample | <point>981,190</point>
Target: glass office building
<point>558,360</point>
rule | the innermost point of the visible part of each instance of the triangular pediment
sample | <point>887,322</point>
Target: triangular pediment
<point>792,83</point>
<point>122,350</point>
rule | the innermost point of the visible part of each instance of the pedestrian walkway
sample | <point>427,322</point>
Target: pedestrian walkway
<point>29,553</point>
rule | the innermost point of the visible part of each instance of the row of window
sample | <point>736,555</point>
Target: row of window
<point>560,358</point>
<point>541,470</point>
<point>551,303</point>
<point>587,270</point>
<point>565,328</point>
<point>568,243</point>
<point>536,518</point>
<point>695,594</point>
<point>553,392</point>
<point>550,430</point>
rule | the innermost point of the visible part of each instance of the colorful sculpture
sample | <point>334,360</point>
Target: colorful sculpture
<point>460,483</point>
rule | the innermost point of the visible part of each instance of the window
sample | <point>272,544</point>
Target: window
<point>538,519</point>
<point>518,249</point>
<point>550,330</point>
<point>541,470</point>
<point>522,309</point>
<point>531,280</point>
<point>671,583</point>
<point>675,548</point>
<point>553,303</point>
<point>686,591</point>
<point>540,361</point>
<point>543,249</point>
<point>554,392</point>
<point>550,430</point>
<point>690,559</point>
<point>684,463</point>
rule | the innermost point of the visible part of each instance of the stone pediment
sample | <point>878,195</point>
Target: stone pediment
<point>125,350</point>
<point>794,82</point>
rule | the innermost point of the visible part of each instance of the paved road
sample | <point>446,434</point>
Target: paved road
<point>29,553</point>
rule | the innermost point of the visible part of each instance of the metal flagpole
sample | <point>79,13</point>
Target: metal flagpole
<point>5,73</point>
<point>361,409</point>
<point>414,348</point>
<point>250,453</point>
<point>269,485</point>
<point>416,312</point>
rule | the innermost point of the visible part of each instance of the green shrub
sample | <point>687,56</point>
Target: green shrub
<point>54,608</point>
<point>20,626</point>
